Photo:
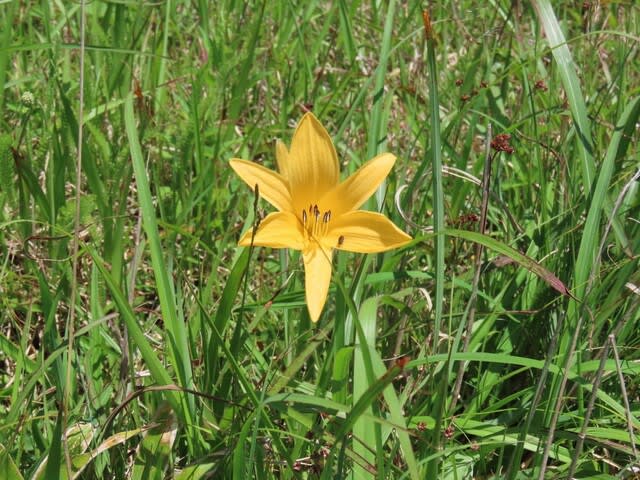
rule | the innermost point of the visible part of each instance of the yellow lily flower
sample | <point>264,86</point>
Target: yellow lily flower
<point>316,212</point>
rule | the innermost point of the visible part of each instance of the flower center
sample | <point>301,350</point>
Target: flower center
<point>315,222</point>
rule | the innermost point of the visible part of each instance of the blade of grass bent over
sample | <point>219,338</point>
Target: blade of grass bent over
<point>514,255</point>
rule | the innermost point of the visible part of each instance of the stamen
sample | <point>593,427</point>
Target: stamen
<point>340,240</point>
<point>313,226</point>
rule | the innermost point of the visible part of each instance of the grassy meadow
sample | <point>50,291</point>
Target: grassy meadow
<point>139,341</point>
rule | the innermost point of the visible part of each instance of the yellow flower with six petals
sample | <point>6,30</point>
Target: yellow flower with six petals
<point>316,212</point>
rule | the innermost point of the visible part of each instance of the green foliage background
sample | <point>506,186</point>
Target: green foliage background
<point>162,350</point>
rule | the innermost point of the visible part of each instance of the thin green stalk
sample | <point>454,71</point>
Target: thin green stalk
<point>75,244</point>
<point>7,32</point>
<point>377,124</point>
<point>433,467</point>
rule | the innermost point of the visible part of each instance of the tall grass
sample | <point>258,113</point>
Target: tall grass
<point>509,351</point>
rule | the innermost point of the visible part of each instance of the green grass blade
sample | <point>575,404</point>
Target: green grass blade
<point>6,36</point>
<point>157,369</point>
<point>617,148</point>
<point>176,331</point>
<point>435,151</point>
<point>346,30</point>
<point>367,359</point>
<point>154,451</point>
<point>571,83</point>
<point>31,182</point>
<point>367,442</point>
<point>299,361</point>
<point>223,315</point>
<point>243,78</point>
<point>197,472</point>
<point>377,123</point>
<point>365,401</point>
<point>231,289</point>
<point>55,458</point>
<point>8,468</point>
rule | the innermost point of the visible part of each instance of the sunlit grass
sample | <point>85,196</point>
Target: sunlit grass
<point>195,358</point>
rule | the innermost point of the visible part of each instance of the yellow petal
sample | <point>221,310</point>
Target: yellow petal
<point>312,164</point>
<point>272,186</point>
<point>282,157</point>
<point>317,277</point>
<point>364,232</point>
<point>276,230</point>
<point>355,190</point>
